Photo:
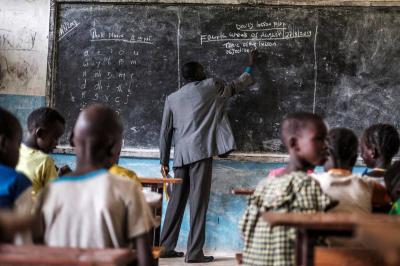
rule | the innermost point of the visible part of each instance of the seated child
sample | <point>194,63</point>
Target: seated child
<point>379,144</point>
<point>392,180</point>
<point>353,193</point>
<point>91,208</point>
<point>304,135</point>
<point>12,183</point>
<point>45,127</point>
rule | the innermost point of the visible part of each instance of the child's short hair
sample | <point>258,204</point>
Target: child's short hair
<point>384,138</point>
<point>295,122</point>
<point>343,145</point>
<point>8,123</point>
<point>392,180</point>
<point>44,117</point>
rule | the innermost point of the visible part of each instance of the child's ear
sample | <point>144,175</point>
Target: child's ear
<point>293,143</point>
<point>374,152</point>
<point>39,132</point>
<point>3,143</point>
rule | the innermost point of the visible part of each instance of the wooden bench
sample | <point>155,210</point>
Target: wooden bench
<point>46,256</point>
<point>242,191</point>
<point>384,239</point>
<point>327,256</point>
<point>341,256</point>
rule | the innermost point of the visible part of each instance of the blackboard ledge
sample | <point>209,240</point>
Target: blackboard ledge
<point>235,156</point>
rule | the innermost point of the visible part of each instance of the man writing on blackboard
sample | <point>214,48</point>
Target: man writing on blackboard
<point>194,117</point>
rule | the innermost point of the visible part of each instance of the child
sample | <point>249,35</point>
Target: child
<point>392,181</point>
<point>12,183</point>
<point>304,135</point>
<point>153,198</point>
<point>91,208</point>
<point>379,144</point>
<point>45,127</point>
<point>353,193</point>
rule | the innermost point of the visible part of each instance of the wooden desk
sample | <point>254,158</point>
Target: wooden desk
<point>311,226</point>
<point>45,256</point>
<point>385,239</point>
<point>156,185</point>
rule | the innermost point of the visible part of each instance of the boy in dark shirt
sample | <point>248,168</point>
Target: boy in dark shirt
<point>12,183</point>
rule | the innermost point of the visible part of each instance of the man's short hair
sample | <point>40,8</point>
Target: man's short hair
<point>295,122</point>
<point>189,70</point>
<point>8,123</point>
<point>44,117</point>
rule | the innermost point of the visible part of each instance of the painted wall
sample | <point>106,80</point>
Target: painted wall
<point>23,55</point>
<point>225,210</point>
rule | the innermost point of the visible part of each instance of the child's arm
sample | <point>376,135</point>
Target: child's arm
<point>143,249</point>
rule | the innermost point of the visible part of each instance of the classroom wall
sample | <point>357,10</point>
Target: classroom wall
<point>23,55</point>
<point>23,60</point>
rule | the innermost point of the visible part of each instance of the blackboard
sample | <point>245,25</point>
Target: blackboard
<point>340,62</point>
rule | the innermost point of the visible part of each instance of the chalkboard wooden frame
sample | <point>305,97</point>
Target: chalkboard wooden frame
<point>54,4</point>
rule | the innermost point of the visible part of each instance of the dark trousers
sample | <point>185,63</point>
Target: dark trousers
<point>196,186</point>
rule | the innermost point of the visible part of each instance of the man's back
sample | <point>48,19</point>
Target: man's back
<point>200,126</point>
<point>96,210</point>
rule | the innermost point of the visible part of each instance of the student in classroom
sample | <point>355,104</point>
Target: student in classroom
<point>355,194</point>
<point>45,127</point>
<point>304,135</point>
<point>12,183</point>
<point>392,181</point>
<point>379,144</point>
<point>91,208</point>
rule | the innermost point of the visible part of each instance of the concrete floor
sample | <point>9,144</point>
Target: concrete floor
<point>219,261</point>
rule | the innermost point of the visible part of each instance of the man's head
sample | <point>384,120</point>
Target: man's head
<point>342,149</point>
<point>97,136</point>
<point>10,139</point>
<point>45,127</point>
<point>193,71</point>
<point>304,135</point>
<point>379,142</point>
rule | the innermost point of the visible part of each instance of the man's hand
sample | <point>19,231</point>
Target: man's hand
<point>164,170</point>
<point>253,57</point>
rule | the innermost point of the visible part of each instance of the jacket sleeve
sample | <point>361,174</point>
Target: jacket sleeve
<point>166,134</point>
<point>229,89</point>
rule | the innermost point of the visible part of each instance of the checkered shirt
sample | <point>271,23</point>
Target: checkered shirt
<point>294,192</point>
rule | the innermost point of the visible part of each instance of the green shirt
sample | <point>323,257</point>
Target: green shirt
<point>294,192</point>
<point>395,208</point>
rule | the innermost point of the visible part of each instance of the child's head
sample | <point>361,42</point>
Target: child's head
<point>304,135</point>
<point>97,136</point>
<point>392,180</point>
<point>342,149</point>
<point>10,138</point>
<point>379,142</point>
<point>45,127</point>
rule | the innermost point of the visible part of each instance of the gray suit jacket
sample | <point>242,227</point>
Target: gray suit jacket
<point>194,117</point>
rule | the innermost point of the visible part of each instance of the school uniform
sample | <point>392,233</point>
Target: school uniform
<point>38,166</point>
<point>12,185</point>
<point>195,120</point>
<point>353,193</point>
<point>96,210</point>
<point>293,192</point>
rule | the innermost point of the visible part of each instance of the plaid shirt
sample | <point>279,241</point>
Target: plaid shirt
<point>294,192</point>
